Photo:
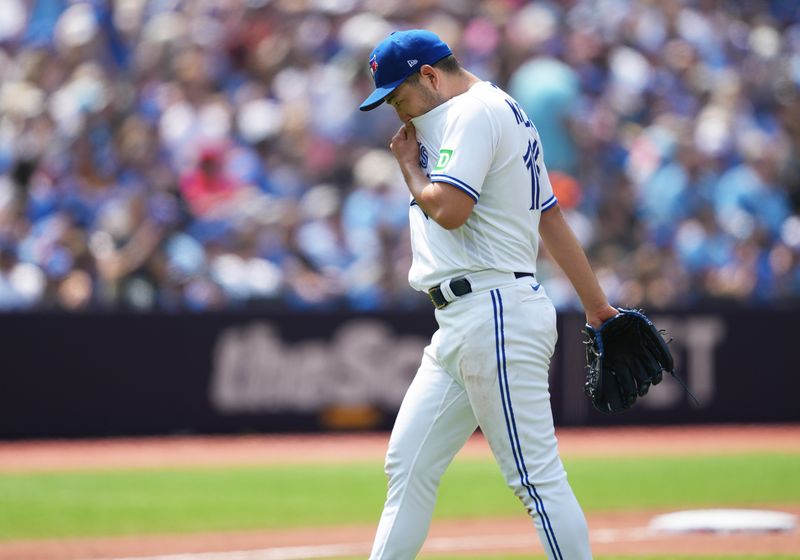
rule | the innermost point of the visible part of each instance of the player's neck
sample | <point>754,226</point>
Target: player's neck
<point>460,83</point>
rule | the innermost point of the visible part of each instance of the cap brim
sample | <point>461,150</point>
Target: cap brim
<point>377,96</point>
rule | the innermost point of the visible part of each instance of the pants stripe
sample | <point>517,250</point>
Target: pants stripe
<point>511,425</point>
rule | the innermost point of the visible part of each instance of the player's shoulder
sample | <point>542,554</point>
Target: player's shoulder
<point>489,98</point>
<point>480,103</point>
<point>481,94</point>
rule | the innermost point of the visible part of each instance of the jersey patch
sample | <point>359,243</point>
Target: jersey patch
<point>444,159</point>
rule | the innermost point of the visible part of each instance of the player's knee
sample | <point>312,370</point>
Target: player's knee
<point>536,493</point>
<point>408,471</point>
<point>395,469</point>
<point>398,470</point>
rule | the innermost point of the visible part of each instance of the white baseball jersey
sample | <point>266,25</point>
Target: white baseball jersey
<point>482,143</point>
<point>487,364</point>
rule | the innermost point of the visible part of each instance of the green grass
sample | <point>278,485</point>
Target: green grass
<point>92,503</point>
<point>636,483</point>
<point>185,500</point>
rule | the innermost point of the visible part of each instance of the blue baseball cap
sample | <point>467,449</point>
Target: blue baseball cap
<point>397,57</point>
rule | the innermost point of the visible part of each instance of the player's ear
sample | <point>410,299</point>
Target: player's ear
<point>429,75</point>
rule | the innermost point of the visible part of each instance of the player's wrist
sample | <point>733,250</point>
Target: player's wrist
<point>599,314</point>
<point>410,163</point>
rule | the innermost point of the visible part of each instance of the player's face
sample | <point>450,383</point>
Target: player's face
<point>413,98</point>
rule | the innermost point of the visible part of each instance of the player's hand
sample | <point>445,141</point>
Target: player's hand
<point>404,145</point>
<point>597,317</point>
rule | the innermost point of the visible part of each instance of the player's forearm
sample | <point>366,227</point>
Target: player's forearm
<point>417,182</point>
<point>433,198</point>
<point>565,249</point>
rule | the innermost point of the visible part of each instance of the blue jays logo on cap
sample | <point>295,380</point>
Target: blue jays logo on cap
<point>401,54</point>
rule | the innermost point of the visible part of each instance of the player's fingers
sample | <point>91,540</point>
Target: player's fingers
<point>397,139</point>
<point>399,135</point>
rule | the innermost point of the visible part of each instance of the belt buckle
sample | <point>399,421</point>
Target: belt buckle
<point>433,300</point>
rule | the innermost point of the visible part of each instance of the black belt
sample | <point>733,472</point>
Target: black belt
<point>460,287</point>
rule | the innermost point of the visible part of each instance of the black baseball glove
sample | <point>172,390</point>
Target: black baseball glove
<point>624,357</point>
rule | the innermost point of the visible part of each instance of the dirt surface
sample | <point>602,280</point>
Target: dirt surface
<point>265,450</point>
<point>612,533</point>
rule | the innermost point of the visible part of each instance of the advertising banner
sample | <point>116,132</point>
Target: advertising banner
<point>110,375</point>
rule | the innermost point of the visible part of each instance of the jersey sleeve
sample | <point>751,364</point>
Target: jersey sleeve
<point>547,198</point>
<point>467,149</point>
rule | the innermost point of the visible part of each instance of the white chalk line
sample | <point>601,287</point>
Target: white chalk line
<point>437,544</point>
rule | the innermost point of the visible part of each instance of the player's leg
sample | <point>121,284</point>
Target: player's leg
<point>434,422</point>
<point>510,398</point>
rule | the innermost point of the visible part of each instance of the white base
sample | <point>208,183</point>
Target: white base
<point>723,521</point>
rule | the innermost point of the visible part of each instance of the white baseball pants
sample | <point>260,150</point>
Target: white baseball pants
<point>486,366</point>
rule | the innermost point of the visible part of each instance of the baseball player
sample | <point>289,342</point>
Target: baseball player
<point>480,200</point>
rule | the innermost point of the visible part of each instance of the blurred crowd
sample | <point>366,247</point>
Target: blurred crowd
<point>209,154</point>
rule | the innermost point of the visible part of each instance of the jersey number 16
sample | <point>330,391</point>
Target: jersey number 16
<point>530,157</point>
